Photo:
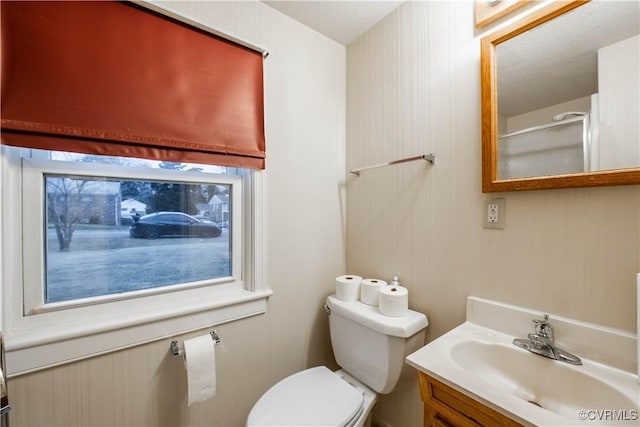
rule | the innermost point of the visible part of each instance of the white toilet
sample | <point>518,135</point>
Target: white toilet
<point>369,346</point>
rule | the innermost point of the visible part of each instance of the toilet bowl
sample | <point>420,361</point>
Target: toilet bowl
<point>320,397</point>
<point>314,397</point>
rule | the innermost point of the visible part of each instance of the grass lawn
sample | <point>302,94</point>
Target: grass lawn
<point>103,262</point>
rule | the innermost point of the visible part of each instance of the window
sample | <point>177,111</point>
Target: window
<point>110,252</point>
<point>86,235</point>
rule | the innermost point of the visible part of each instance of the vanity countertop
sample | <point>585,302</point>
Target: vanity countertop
<point>479,360</point>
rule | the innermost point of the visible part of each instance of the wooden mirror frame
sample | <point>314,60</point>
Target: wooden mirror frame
<point>488,74</point>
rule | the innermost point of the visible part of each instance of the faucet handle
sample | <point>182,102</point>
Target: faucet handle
<point>543,328</point>
<point>540,322</point>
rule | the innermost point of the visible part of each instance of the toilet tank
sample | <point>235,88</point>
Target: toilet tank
<point>371,346</point>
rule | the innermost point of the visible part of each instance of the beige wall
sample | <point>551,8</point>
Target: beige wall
<point>413,87</point>
<point>305,126</point>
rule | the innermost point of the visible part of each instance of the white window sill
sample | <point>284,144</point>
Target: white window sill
<point>134,324</point>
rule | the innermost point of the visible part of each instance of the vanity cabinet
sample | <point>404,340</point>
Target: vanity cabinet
<point>447,407</point>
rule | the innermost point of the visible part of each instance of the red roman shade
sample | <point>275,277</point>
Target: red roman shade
<point>113,78</point>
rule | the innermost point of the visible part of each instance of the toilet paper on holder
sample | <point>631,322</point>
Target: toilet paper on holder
<point>200,362</point>
<point>177,351</point>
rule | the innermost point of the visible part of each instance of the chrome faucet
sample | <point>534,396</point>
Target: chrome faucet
<point>542,342</point>
<point>543,331</point>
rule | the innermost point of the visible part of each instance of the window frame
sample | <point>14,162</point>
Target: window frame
<point>33,209</point>
<point>76,329</point>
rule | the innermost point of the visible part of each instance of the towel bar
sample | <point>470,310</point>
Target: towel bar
<point>431,158</point>
<point>177,351</point>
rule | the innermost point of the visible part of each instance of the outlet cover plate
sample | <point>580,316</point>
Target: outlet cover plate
<point>493,214</point>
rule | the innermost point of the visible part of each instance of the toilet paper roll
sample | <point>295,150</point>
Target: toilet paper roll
<point>394,300</point>
<point>348,287</point>
<point>200,362</point>
<point>370,291</point>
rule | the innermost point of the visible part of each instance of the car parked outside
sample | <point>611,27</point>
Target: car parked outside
<point>172,224</point>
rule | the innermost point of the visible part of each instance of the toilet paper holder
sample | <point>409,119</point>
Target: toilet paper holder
<point>177,351</point>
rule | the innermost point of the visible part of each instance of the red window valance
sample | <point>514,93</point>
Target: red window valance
<point>113,78</point>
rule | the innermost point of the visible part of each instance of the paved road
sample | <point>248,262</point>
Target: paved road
<point>119,237</point>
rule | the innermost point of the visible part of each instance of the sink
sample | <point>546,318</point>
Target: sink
<point>557,387</point>
<point>484,364</point>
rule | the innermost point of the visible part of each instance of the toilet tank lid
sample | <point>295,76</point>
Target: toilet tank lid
<point>371,317</point>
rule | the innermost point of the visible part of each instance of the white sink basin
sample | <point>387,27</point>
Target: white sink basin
<point>529,388</point>
<point>558,387</point>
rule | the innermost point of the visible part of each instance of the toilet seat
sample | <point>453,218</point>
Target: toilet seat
<point>313,397</point>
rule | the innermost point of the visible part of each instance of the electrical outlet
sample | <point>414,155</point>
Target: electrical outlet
<point>493,214</point>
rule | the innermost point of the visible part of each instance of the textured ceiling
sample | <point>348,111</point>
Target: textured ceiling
<point>557,61</point>
<point>553,63</point>
<point>342,21</point>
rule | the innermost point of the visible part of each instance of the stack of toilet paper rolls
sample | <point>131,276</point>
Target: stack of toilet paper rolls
<point>392,300</point>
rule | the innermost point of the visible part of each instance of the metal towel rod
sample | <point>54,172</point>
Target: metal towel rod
<point>431,158</point>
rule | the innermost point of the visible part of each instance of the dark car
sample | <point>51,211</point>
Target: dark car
<point>176,224</point>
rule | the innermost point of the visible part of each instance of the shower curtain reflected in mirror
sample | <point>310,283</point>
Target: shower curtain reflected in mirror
<point>557,148</point>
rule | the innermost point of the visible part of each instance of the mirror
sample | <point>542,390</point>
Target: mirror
<point>561,98</point>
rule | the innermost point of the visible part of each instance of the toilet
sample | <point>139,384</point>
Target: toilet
<point>369,347</point>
